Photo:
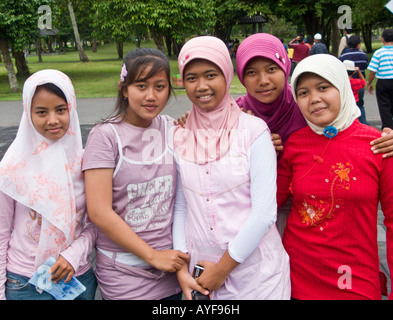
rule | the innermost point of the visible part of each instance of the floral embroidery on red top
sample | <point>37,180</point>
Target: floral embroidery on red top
<point>315,212</point>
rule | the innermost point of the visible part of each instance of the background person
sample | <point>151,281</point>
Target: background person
<point>318,47</point>
<point>300,50</point>
<point>357,84</point>
<point>381,66</point>
<point>354,53</point>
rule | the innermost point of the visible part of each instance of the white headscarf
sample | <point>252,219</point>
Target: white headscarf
<point>46,175</point>
<point>333,70</point>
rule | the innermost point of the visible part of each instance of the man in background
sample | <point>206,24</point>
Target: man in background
<point>354,53</point>
<point>318,47</point>
<point>300,50</point>
<point>381,66</point>
<point>344,42</point>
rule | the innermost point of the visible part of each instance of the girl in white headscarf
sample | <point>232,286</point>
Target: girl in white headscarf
<point>336,185</point>
<point>42,192</point>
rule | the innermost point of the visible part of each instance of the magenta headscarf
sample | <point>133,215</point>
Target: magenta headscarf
<point>207,134</point>
<point>282,116</point>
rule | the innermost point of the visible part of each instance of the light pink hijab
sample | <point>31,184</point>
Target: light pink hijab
<point>207,134</point>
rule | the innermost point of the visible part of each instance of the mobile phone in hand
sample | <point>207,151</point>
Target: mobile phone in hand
<point>196,295</point>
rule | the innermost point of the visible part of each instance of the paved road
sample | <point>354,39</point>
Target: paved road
<point>92,111</point>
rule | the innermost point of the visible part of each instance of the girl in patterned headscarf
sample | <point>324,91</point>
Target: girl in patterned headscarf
<point>42,192</point>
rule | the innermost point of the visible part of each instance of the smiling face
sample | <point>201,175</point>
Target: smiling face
<point>146,99</point>
<point>264,79</point>
<point>49,114</point>
<point>318,100</point>
<point>205,84</point>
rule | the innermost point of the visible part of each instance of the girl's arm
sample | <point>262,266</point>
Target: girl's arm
<point>371,77</point>
<point>263,171</point>
<point>277,142</point>
<point>384,144</point>
<point>179,217</point>
<point>284,178</point>
<point>78,253</point>
<point>360,75</point>
<point>98,184</point>
<point>6,216</point>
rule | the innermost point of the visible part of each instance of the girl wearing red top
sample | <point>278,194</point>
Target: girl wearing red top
<point>336,185</point>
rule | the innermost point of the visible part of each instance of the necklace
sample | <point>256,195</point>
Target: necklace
<point>329,132</point>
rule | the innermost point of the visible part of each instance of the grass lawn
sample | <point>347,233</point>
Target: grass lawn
<point>93,79</point>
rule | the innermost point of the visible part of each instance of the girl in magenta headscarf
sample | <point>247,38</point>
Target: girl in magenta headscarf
<point>263,67</point>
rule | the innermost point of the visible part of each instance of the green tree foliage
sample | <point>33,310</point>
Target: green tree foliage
<point>369,14</point>
<point>123,19</point>
<point>18,27</point>
<point>19,21</point>
<point>322,15</point>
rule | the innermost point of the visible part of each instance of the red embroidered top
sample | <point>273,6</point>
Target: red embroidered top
<point>331,232</point>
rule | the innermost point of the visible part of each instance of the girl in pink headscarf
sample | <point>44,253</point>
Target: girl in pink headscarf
<point>225,208</point>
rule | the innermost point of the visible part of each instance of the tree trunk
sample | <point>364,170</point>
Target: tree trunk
<point>158,39</point>
<point>14,86</point>
<point>336,36</point>
<point>177,47</point>
<point>168,42</point>
<point>82,56</point>
<point>21,64</point>
<point>367,37</point>
<point>94,45</point>
<point>119,47</point>
<point>312,23</point>
<point>39,48</point>
<point>223,31</point>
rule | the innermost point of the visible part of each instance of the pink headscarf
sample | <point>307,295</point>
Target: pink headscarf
<point>207,134</point>
<point>282,116</point>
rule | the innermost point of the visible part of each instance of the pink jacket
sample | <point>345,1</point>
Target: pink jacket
<point>218,205</point>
